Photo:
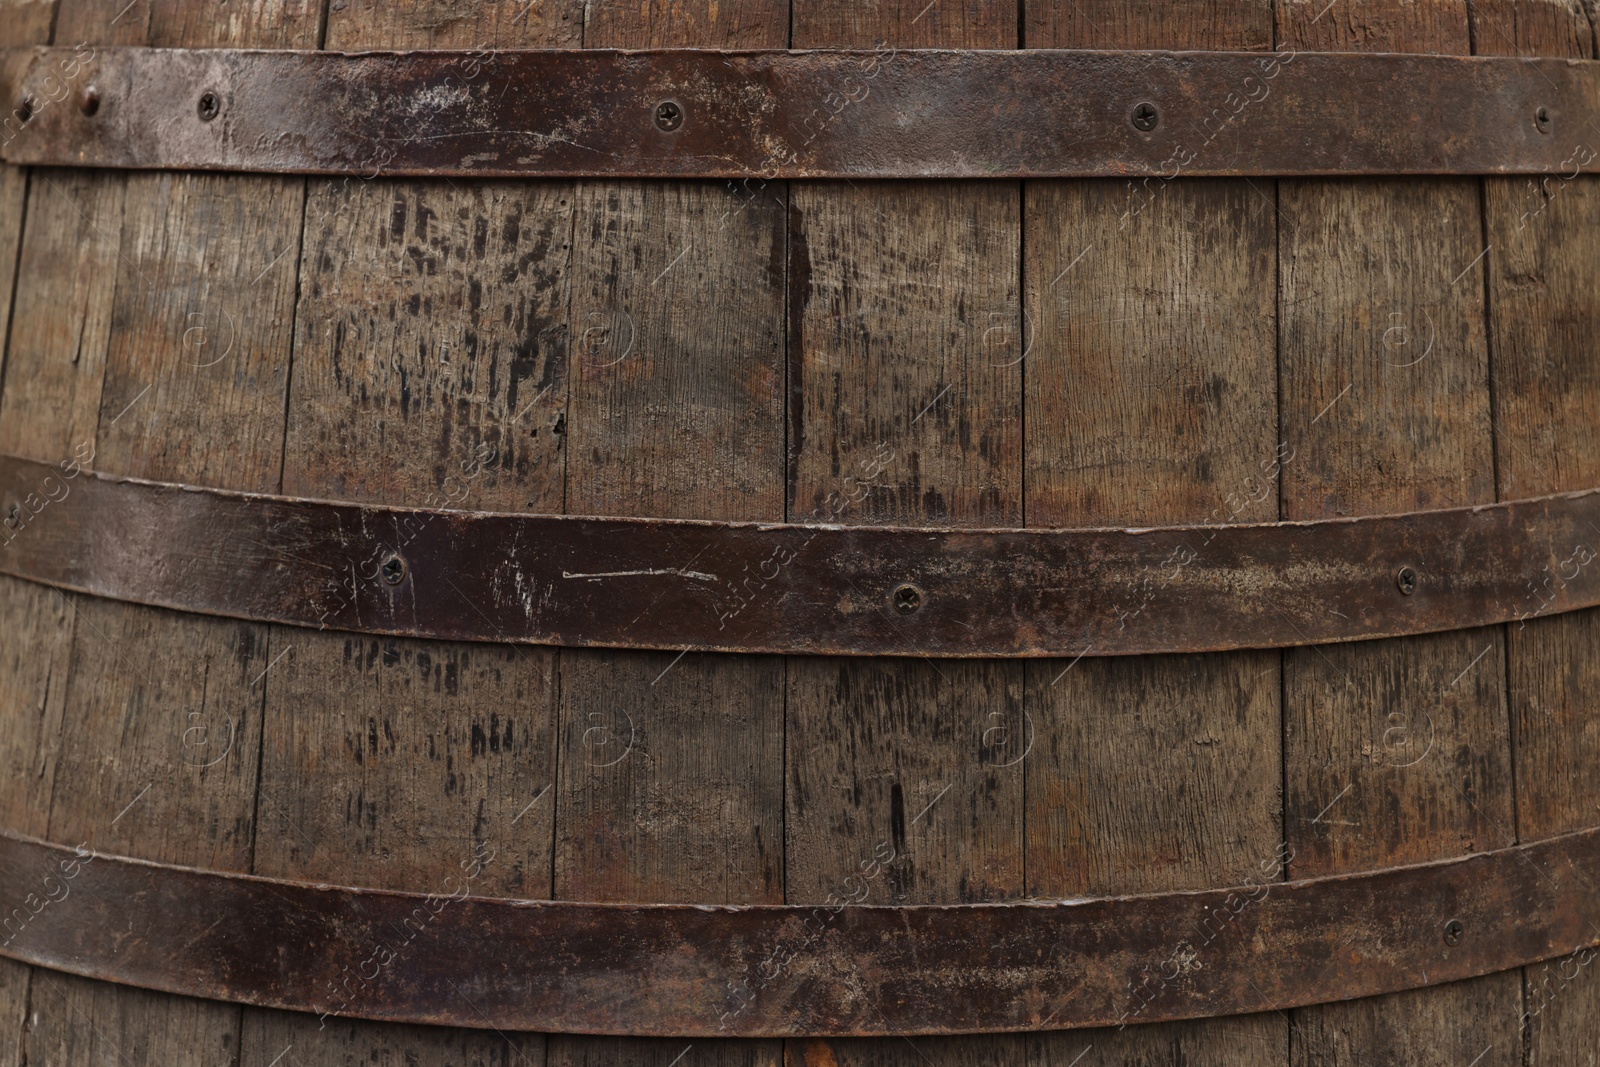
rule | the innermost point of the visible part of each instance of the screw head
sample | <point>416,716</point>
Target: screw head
<point>1145,116</point>
<point>89,100</point>
<point>1454,931</point>
<point>669,116</point>
<point>907,599</point>
<point>210,106</point>
<point>393,569</point>
<point>1541,119</point>
<point>1406,581</point>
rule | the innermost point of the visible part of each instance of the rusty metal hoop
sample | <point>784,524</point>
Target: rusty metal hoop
<point>794,970</point>
<point>748,587</point>
<point>784,588</point>
<point>690,113</point>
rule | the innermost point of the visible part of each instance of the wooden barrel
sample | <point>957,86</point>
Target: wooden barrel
<point>1048,353</point>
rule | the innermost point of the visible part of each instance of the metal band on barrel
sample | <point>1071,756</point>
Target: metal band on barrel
<point>821,114</point>
<point>783,588</point>
<point>834,969</point>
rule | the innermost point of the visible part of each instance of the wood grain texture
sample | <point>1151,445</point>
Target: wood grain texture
<point>26,21</point>
<point>1435,26</point>
<point>1389,373</point>
<point>364,744</point>
<point>55,365</point>
<point>280,1039</point>
<point>906,354</point>
<point>175,24</point>
<point>13,201</point>
<point>1152,399</point>
<point>48,409</point>
<point>106,1025</point>
<point>671,770</point>
<point>666,792</point>
<point>1151,387</point>
<point>197,332</point>
<point>1532,28</point>
<point>905,23</point>
<point>1543,280</point>
<point>905,394</point>
<point>411,765</point>
<point>152,699</point>
<point>686,24</point>
<point>33,663</point>
<point>1222,25</point>
<point>202,324</point>
<point>33,679</point>
<point>358,24</point>
<point>430,370</point>
<point>909,758</point>
<point>1394,750</point>
<point>677,384</point>
<point>432,332</point>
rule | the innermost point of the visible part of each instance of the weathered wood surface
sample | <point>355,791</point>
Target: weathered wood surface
<point>1543,275</point>
<point>1151,397</point>
<point>38,630</point>
<point>430,336</point>
<point>161,257</point>
<point>1064,353</point>
<point>905,407</point>
<point>1394,751</point>
<point>671,778</point>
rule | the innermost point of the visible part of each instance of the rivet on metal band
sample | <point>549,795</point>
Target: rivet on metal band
<point>690,113</point>
<point>794,588</point>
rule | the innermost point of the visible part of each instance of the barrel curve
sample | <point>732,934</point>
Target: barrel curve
<point>792,588</point>
<point>838,969</point>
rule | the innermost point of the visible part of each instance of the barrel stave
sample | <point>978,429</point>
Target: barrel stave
<point>472,336</point>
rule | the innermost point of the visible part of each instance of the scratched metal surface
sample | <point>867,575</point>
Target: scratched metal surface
<point>653,969</point>
<point>744,587</point>
<point>820,114</point>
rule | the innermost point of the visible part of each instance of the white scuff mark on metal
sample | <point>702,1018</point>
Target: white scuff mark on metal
<point>646,573</point>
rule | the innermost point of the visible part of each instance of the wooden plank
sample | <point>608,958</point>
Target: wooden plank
<point>56,363</point>
<point>197,357</point>
<point>674,24</point>
<point>435,312</point>
<point>1210,25</point>
<point>370,24</point>
<point>26,21</point>
<point>405,765</point>
<point>39,634</point>
<point>1543,277</point>
<point>683,284</point>
<point>905,24</point>
<point>1151,399</point>
<point>905,407</point>
<point>33,675</point>
<point>13,201</point>
<point>175,24</point>
<point>1395,751</point>
<point>200,352</point>
<point>671,772</point>
<point>675,411</point>
<point>48,408</point>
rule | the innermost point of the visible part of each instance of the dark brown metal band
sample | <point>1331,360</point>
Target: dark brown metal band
<point>740,587</point>
<point>834,969</point>
<point>885,114</point>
